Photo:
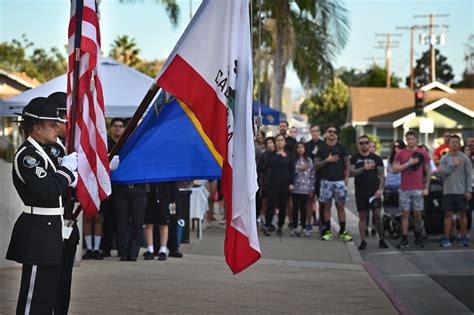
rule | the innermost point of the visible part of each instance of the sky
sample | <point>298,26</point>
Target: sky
<point>44,22</point>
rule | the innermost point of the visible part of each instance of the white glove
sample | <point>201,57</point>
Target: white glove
<point>70,161</point>
<point>114,163</point>
<point>74,183</point>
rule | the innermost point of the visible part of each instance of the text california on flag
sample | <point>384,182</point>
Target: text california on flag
<point>210,70</point>
<point>90,138</point>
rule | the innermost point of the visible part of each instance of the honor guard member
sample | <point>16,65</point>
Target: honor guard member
<point>57,151</point>
<point>37,240</point>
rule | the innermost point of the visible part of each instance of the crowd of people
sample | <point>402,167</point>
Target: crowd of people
<point>299,181</point>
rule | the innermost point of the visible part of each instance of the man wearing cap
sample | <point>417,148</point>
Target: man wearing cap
<point>367,168</point>
<point>57,151</point>
<point>37,237</point>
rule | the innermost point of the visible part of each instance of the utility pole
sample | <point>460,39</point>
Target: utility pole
<point>433,39</point>
<point>412,29</point>
<point>388,44</point>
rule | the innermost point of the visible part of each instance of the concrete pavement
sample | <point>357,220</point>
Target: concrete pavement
<point>296,275</point>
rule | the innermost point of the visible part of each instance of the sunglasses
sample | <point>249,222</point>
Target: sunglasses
<point>364,142</point>
<point>331,131</point>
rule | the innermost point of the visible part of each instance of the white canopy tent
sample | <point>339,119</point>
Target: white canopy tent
<point>124,89</point>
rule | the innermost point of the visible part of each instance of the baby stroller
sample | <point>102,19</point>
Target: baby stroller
<point>392,215</point>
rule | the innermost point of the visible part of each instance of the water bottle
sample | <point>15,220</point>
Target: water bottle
<point>179,229</point>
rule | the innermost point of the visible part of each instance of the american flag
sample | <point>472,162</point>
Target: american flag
<point>90,140</point>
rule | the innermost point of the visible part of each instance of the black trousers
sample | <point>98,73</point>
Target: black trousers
<point>109,224</point>
<point>61,305</point>
<point>130,205</point>
<point>38,289</point>
<point>300,202</point>
<point>277,198</point>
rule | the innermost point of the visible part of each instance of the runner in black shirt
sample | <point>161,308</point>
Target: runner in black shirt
<point>368,171</point>
<point>332,160</point>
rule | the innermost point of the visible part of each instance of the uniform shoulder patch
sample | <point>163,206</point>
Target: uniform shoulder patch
<point>30,161</point>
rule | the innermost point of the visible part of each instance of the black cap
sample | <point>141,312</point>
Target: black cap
<point>60,99</point>
<point>41,108</point>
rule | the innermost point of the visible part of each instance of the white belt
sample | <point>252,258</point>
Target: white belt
<point>43,211</point>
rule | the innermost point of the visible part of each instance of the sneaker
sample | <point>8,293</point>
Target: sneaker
<point>327,235</point>
<point>161,256</point>
<point>265,230</point>
<point>306,233</point>
<point>308,227</point>
<point>279,232</point>
<point>97,255</point>
<point>382,243</point>
<point>363,245</point>
<point>444,242</point>
<point>175,253</point>
<point>88,255</point>
<point>403,244</point>
<point>419,242</point>
<point>345,236</point>
<point>293,232</point>
<point>464,242</point>
<point>298,233</point>
<point>148,256</point>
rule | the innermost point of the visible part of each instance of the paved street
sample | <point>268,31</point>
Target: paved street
<point>432,280</point>
<point>303,275</point>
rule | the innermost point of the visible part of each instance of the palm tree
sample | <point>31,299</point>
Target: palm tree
<point>125,50</point>
<point>309,33</point>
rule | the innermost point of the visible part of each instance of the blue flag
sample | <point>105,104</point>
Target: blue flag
<point>165,147</point>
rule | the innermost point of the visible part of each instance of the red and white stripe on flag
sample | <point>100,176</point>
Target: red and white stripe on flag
<point>90,140</point>
<point>210,70</point>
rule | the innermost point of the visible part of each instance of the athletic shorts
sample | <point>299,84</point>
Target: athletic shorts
<point>362,198</point>
<point>333,189</point>
<point>411,200</point>
<point>454,202</point>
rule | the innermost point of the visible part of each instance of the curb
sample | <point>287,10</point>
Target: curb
<point>397,301</point>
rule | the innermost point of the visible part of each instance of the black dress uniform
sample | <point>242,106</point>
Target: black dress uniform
<point>37,240</point>
<point>57,152</point>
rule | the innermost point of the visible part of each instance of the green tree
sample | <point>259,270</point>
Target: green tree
<point>125,50</point>
<point>329,106</point>
<point>308,33</point>
<point>375,76</point>
<point>444,71</point>
<point>40,64</point>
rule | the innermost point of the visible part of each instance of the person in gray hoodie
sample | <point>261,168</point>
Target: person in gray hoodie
<point>455,169</point>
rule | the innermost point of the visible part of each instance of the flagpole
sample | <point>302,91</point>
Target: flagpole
<point>68,215</point>
<point>151,93</point>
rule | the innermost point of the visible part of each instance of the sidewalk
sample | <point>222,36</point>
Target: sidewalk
<point>296,275</point>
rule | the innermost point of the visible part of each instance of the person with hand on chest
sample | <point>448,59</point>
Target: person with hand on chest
<point>368,170</point>
<point>37,237</point>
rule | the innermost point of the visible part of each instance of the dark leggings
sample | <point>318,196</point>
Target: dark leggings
<point>300,202</point>
<point>277,198</point>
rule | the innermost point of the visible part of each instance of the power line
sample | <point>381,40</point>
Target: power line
<point>388,44</point>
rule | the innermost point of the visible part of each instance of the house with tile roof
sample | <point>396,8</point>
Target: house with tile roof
<point>389,113</point>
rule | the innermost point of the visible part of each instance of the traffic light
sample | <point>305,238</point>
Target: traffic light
<point>419,102</point>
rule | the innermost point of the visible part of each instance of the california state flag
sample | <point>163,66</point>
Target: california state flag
<point>210,72</point>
